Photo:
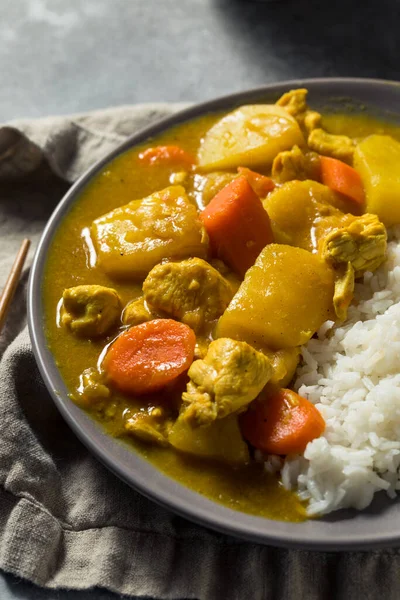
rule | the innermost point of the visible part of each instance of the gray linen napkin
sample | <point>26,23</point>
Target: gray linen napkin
<point>65,521</point>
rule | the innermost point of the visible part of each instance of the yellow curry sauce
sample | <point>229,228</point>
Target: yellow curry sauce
<point>249,488</point>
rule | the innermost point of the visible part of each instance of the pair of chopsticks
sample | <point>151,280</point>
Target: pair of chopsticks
<point>12,281</point>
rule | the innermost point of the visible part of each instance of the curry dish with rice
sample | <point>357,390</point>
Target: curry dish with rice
<point>181,288</point>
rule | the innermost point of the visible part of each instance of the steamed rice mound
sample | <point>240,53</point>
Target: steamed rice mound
<point>351,372</point>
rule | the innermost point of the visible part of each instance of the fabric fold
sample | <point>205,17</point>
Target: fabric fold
<point>65,521</point>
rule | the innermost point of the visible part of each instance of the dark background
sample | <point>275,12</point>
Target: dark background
<point>61,56</point>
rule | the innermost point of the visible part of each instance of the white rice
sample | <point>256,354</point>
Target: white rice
<point>352,374</point>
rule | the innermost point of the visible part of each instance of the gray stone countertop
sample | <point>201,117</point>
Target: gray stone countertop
<point>58,57</point>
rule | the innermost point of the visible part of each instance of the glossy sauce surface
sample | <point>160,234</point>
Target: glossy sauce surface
<point>249,489</point>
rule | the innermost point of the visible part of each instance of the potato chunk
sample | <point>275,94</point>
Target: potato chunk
<point>299,212</point>
<point>284,299</point>
<point>377,159</point>
<point>221,440</point>
<point>191,291</point>
<point>132,239</point>
<point>284,363</point>
<point>90,310</point>
<point>250,136</point>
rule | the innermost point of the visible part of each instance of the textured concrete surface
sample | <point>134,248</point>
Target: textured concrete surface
<point>59,57</point>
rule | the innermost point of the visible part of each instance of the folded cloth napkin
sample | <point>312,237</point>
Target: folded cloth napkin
<point>65,521</point>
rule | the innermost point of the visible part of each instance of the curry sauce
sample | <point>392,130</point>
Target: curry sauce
<point>70,263</point>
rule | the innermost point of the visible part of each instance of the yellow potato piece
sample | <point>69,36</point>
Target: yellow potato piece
<point>296,210</point>
<point>285,364</point>
<point>377,159</point>
<point>250,136</point>
<point>132,239</point>
<point>284,299</point>
<point>221,440</point>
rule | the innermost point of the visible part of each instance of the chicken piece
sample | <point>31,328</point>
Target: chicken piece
<point>191,291</point>
<point>312,120</point>
<point>231,375</point>
<point>344,290</point>
<point>137,312</point>
<point>201,348</point>
<point>90,310</point>
<point>362,243</point>
<point>152,428</point>
<point>92,387</point>
<point>227,274</point>
<point>295,164</point>
<point>328,144</point>
<point>295,102</point>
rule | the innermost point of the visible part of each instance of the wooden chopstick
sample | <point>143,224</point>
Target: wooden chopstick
<point>12,281</point>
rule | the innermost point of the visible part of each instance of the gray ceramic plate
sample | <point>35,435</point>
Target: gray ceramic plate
<point>376,527</point>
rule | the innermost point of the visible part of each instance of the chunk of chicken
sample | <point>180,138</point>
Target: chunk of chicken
<point>227,274</point>
<point>344,290</point>
<point>92,387</point>
<point>328,144</point>
<point>295,102</point>
<point>137,312</point>
<point>231,375</point>
<point>362,243</point>
<point>295,164</point>
<point>312,120</point>
<point>191,291</point>
<point>152,428</point>
<point>90,310</point>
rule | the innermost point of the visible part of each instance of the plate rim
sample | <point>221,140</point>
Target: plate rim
<point>163,489</point>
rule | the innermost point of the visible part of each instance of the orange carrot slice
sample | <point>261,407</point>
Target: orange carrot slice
<point>167,155</point>
<point>282,423</point>
<point>237,224</point>
<point>261,184</point>
<point>147,357</point>
<point>342,178</point>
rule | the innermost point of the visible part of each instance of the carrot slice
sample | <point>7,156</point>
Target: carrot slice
<point>283,423</point>
<point>342,178</point>
<point>147,357</point>
<point>261,184</point>
<point>169,155</point>
<point>237,224</point>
